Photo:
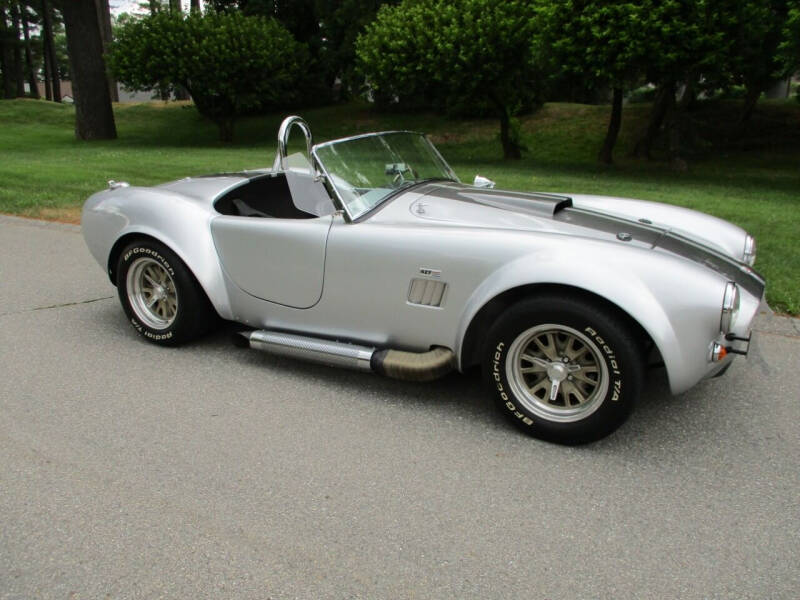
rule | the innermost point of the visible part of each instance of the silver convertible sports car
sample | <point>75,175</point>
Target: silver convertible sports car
<point>367,252</point>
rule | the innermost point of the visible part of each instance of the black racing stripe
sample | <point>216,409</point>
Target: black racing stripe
<point>669,241</point>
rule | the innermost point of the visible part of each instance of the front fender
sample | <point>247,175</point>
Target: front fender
<point>180,223</point>
<point>639,281</point>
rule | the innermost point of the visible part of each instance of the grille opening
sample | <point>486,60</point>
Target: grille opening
<point>426,292</point>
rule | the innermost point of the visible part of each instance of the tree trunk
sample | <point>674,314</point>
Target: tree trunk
<point>19,73</point>
<point>94,118</point>
<point>664,97</point>
<point>104,18</point>
<point>674,123</point>
<point>6,55</point>
<point>179,90</point>
<point>195,6</point>
<point>28,60</point>
<point>511,148</point>
<point>614,123</point>
<point>50,50</point>
<point>225,125</point>
<point>181,93</point>
<point>750,101</point>
<point>48,79</point>
<point>163,90</point>
<point>689,94</point>
<point>46,70</point>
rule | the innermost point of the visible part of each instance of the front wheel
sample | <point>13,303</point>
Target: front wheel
<point>564,369</point>
<point>160,296</point>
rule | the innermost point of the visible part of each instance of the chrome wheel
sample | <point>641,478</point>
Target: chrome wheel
<point>557,373</point>
<point>151,293</point>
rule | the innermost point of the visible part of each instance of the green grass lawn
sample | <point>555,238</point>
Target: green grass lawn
<point>755,183</point>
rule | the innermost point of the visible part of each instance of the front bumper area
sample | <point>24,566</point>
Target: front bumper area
<point>732,344</point>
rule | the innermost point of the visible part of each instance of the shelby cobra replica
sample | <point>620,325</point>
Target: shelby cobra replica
<point>369,253</point>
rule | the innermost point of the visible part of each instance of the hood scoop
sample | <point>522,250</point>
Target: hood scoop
<point>540,205</point>
<point>465,205</point>
<point>534,204</point>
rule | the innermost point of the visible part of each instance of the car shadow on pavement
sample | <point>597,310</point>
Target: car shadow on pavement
<point>660,422</point>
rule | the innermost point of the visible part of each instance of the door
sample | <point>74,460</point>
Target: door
<point>279,260</point>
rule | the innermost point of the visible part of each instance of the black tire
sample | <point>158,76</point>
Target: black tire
<point>174,308</point>
<point>597,384</point>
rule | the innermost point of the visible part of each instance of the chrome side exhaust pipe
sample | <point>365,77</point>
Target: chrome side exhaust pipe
<point>333,354</point>
<point>409,366</point>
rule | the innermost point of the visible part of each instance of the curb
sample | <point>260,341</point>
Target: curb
<point>27,222</point>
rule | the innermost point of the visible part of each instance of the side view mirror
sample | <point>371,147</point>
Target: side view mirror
<point>483,182</point>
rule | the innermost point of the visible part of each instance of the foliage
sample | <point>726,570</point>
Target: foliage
<point>645,93</point>
<point>341,22</point>
<point>229,63</point>
<point>687,39</point>
<point>33,10</point>
<point>603,42</point>
<point>789,50</point>
<point>757,29</point>
<point>328,27</point>
<point>448,54</point>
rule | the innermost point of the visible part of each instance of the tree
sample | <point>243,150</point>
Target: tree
<point>789,49</point>
<point>452,53</point>
<point>687,45</point>
<point>29,65</point>
<point>328,27</point>
<point>229,63</point>
<point>705,45</point>
<point>603,42</point>
<point>302,20</point>
<point>758,29</point>
<point>11,50</point>
<point>19,76</point>
<point>340,24</point>
<point>104,19</point>
<point>50,56</point>
<point>94,117</point>
<point>6,54</point>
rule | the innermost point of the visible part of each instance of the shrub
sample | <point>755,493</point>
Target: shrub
<point>461,55</point>
<point>229,63</point>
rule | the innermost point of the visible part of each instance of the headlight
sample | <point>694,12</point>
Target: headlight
<point>730,307</point>
<point>749,255</point>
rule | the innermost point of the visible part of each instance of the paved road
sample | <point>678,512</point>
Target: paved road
<point>129,471</point>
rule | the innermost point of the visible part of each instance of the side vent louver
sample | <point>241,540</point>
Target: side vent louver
<point>426,292</point>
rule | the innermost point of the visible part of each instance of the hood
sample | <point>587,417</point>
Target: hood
<point>712,242</point>
<point>468,206</point>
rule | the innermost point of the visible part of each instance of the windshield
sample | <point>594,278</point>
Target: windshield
<point>365,170</point>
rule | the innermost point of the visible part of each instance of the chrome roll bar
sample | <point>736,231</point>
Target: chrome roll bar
<point>283,139</point>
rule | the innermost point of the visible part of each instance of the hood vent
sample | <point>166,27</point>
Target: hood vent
<point>536,204</point>
<point>426,292</point>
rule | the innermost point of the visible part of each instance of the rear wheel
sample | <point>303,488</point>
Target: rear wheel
<point>563,369</point>
<point>160,296</point>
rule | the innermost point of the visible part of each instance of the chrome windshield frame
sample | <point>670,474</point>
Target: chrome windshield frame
<point>338,197</point>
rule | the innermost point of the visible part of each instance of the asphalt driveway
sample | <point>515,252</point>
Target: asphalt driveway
<point>130,471</point>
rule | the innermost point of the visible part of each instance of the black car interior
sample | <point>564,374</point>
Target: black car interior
<point>263,196</point>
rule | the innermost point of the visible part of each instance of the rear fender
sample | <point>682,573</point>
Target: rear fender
<point>113,218</point>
